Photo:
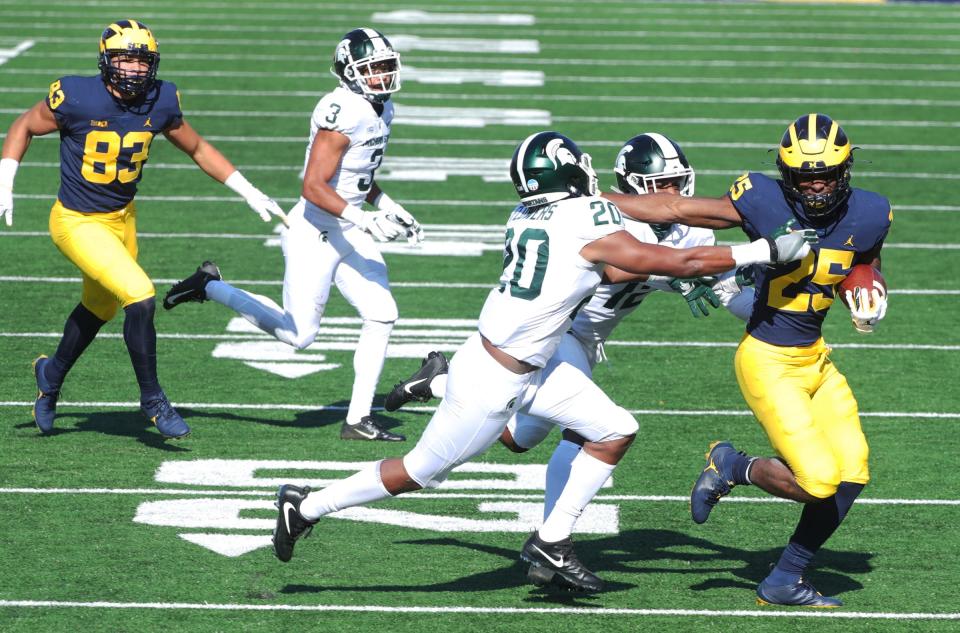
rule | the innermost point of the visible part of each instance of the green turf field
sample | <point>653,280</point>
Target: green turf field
<point>108,528</point>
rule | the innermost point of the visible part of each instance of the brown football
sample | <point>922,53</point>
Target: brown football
<point>862,278</point>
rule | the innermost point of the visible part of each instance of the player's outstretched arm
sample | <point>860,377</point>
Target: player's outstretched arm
<point>36,121</point>
<point>214,164</point>
<point>628,254</point>
<point>711,213</point>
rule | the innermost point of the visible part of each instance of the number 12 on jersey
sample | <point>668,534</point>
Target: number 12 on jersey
<point>529,265</point>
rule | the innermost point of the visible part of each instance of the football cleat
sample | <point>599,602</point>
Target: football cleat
<point>193,287</point>
<point>45,407</point>
<point>290,523</point>
<point>801,594</point>
<point>557,564</point>
<point>417,386</point>
<point>367,429</point>
<point>165,418</point>
<point>713,483</point>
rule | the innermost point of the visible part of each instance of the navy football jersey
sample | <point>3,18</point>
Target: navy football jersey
<point>104,141</point>
<point>792,299</point>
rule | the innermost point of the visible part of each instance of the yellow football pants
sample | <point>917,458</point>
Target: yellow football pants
<point>807,410</point>
<point>104,247</point>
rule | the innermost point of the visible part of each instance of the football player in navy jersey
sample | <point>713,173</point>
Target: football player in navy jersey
<point>801,400</point>
<point>107,124</point>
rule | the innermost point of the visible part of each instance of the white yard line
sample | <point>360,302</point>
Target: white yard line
<point>588,611</point>
<point>928,415</point>
<point>271,491</point>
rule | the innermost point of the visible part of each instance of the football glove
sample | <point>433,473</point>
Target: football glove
<point>261,203</point>
<point>8,171</point>
<point>793,246</point>
<point>698,293</point>
<point>380,226</point>
<point>412,229</point>
<point>866,309</point>
<point>6,205</point>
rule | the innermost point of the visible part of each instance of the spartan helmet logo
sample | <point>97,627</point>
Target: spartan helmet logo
<point>559,154</point>
<point>622,159</point>
<point>343,51</point>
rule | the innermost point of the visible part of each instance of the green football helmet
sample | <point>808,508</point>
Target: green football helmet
<point>548,166</point>
<point>366,63</point>
<point>648,160</point>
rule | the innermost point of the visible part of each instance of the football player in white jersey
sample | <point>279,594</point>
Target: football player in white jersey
<point>647,163</point>
<point>329,238</point>
<point>557,242</point>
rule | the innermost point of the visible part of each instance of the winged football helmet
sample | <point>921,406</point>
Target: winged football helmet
<point>815,147</point>
<point>366,63</point>
<point>645,162</point>
<point>548,166</point>
<point>128,38</point>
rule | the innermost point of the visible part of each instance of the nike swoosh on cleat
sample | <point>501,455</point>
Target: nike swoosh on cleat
<point>287,507</point>
<point>178,295</point>
<point>414,383</point>
<point>370,435</point>
<point>557,562</point>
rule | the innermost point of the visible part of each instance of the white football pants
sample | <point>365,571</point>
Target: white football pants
<point>481,396</point>
<point>319,251</point>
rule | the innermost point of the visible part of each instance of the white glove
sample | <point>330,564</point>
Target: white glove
<point>264,205</point>
<point>6,205</point>
<point>8,170</point>
<point>376,223</point>
<point>866,309</point>
<point>412,228</point>
<point>793,246</point>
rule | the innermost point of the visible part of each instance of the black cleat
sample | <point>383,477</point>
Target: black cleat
<point>45,406</point>
<point>802,594</point>
<point>557,564</point>
<point>290,523</point>
<point>367,429</point>
<point>417,386</point>
<point>714,481</point>
<point>193,287</point>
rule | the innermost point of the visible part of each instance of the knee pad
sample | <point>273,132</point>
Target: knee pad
<point>822,483</point>
<point>425,468</point>
<point>620,424</point>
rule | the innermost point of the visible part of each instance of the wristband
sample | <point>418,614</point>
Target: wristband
<point>240,185</point>
<point>8,170</point>
<point>762,251</point>
<point>352,214</point>
<point>385,202</point>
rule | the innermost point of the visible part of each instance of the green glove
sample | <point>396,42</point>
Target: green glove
<point>697,293</point>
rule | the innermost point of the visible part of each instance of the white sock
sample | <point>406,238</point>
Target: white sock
<point>358,489</point>
<point>558,472</point>
<point>367,365</point>
<point>587,475</point>
<point>438,385</point>
<point>262,311</point>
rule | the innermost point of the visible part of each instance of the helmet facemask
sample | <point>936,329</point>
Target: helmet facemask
<point>366,63</point>
<point>121,42</point>
<point>813,148</point>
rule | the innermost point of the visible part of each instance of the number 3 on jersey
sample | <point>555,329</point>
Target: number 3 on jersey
<point>528,272</point>
<point>825,268</point>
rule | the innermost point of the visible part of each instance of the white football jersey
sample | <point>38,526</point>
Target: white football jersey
<point>544,276</point>
<point>612,302</point>
<point>354,117</point>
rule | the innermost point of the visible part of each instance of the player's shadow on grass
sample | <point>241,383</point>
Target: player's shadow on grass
<point>119,423</point>
<point>631,552</point>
